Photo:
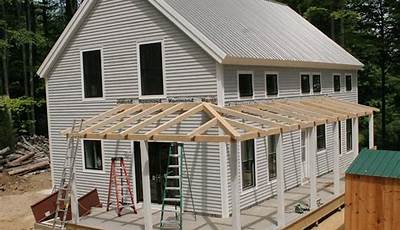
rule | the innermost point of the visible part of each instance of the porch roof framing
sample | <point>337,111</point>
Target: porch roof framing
<point>239,122</point>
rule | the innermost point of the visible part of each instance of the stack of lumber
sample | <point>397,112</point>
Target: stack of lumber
<point>29,155</point>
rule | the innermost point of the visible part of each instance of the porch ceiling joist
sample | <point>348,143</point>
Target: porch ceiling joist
<point>200,121</point>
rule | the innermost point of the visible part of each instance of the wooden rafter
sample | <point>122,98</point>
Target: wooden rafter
<point>239,122</point>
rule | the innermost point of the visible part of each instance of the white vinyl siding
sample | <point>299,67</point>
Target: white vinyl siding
<point>117,26</point>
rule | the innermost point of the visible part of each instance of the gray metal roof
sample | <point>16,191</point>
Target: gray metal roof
<point>259,30</point>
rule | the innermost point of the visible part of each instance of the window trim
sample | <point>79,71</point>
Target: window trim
<point>309,82</point>
<point>102,74</point>
<point>276,155</point>
<point>249,189</point>
<point>84,169</point>
<point>316,141</point>
<point>265,83</point>
<point>237,84</point>
<point>144,42</point>
<point>312,82</point>
<point>351,81</point>
<point>333,82</point>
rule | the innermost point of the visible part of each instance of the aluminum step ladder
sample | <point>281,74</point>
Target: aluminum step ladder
<point>172,193</point>
<point>67,178</point>
<point>122,200</point>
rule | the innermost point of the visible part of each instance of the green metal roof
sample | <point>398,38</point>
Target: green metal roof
<point>380,163</point>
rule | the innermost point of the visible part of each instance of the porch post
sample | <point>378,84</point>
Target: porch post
<point>313,168</point>
<point>144,155</point>
<point>336,167</point>
<point>281,183</point>
<point>235,186</point>
<point>371,131</point>
<point>74,201</point>
<point>355,136</point>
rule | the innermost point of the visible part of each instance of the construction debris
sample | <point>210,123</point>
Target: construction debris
<point>30,154</point>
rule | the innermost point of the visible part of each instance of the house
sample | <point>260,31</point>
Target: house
<point>233,52</point>
<point>373,190</point>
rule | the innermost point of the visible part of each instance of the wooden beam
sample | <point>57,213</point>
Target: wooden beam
<point>113,118</point>
<point>266,114</point>
<point>135,117</point>
<point>154,118</point>
<point>246,127</point>
<point>323,112</point>
<point>248,136</point>
<point>253,118</point>
<point>277,109</point>
<point>223,124</point>
<point>204,127</point>
<point>348,103</point>
<point>210,138</point>
<point>175,120</point>
<point>307,112</point>
<point>101,116</point>
<point>331,107</point>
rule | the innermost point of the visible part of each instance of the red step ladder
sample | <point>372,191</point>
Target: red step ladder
<point>121,202</point>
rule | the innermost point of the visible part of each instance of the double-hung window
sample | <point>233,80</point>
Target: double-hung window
<point>151,69</point>
<point>348,83</point>
<point>349,135</point>
<point>272,143</point>
<point>316,82</point>
<point>245,84</point>
<point>92,74</point>
<point>321,139</point>
<point>93,156</point>
<point>305,83</point>
<point>271,81</point>
<point>336,83</point>
<point>248,164</point>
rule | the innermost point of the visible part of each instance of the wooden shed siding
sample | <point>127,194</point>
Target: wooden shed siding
<point>116,26</point>
<point>372,202</point>
<point>289,86</point>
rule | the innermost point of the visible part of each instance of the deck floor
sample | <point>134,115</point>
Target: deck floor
<point>261,216</point>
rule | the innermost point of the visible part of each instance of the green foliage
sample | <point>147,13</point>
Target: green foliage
<point>7,131</point>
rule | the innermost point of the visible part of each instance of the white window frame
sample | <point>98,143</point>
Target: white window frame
<point>252,82</point>
<point>144,42</point>
<point>309,82</point>
<point>333,82</point>
<point>345,82</point>
<point>84,169</point>
<point>312,83</point>
<point>326,140</point>
<point>267,150</point>
<point>254,188</point>
<point>83,77</point>
<point>265,84</point>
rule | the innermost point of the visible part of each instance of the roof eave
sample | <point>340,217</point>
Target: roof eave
<point>64,38</point>
<point>288,63</point>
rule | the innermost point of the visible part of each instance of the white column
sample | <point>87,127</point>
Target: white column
<point>336,169</point>
<point>355,136</point>
<point>281,183</point>
<point>235,186</point>
<point>74,201</point>
<point>371,143</point>
<point>144,155</point>
<point>313,168</point>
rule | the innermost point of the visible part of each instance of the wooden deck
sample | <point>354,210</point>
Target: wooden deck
<point>261,216</point>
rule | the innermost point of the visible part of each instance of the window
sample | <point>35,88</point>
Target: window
<point>340,136</point>
<point>348,83</point>
<point>321,140</point>
<point>272,142</point>
<point>92,74</point>
<point>272,84</point>
<point>305,83</point>
<point>349,135</point>
<point>336,83</point>
<point>248,164</point>
<point>151,69</point>
<point>316,83</point>
<point>93,154</point>
<point>245,84</point>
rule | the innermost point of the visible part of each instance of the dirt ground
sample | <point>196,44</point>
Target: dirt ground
<point>17,194</point>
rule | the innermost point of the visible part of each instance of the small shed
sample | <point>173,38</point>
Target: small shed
<point>373,191</point>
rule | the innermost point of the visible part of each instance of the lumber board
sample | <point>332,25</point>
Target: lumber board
<point>268,115</point>
<point>276,109</point>
<point>224,124</point>
<point>204,127</point>
<point>28,168</point>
